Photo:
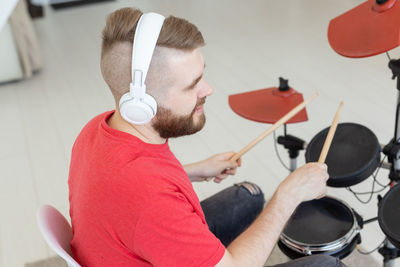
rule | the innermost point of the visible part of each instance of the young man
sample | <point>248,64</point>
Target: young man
<point>132,202</point>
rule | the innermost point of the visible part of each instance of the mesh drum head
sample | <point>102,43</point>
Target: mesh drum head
<point>353,156</point>
<point>319,222</point>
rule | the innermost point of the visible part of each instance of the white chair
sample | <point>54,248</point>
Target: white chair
<point>57,232</point>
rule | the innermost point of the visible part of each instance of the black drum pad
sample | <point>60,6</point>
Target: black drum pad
<point>353,156</point>
<point>319,221</point>
<point>389,215</point>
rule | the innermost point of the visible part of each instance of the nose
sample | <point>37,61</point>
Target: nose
<point>205,89</point>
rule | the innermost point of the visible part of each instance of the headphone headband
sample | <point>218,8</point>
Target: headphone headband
<point>146,35</point>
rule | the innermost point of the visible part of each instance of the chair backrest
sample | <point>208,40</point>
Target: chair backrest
<point>57,232</point>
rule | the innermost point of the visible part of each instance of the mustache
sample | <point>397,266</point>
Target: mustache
<point>201,101</point>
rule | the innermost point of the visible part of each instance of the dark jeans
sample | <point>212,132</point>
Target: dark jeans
<point>313,261</point>
<point>229,212</point>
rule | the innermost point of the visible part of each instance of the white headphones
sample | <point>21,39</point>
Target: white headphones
<point>136,106</point>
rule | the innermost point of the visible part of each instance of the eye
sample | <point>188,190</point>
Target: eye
<point>192,87</point>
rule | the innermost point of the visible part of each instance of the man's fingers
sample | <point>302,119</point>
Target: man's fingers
<point>217,181</point>
<point>323,166</point>
<point>231,164</point>
<point>222,176</point>
<point>230,171</point>
<point>322,195</point>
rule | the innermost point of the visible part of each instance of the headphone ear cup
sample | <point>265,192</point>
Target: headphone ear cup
<point>152,103</point>
<point>123,104</point>
<point>137,111</point>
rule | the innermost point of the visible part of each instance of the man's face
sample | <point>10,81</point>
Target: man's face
<point>182,111</point>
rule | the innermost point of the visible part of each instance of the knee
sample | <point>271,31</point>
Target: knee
<point>325,260</point>
<point>251,188</point>
<point>253,191</point>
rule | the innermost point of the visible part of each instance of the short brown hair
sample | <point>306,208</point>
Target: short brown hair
<point>176,32</point>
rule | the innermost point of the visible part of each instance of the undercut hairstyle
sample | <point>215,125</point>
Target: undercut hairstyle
<point>116,49</point>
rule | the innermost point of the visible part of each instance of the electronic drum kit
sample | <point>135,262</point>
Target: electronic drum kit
<point>329,225</point>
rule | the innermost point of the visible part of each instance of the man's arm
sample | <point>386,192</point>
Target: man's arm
<point>253,247</point>
<point>217,167</point>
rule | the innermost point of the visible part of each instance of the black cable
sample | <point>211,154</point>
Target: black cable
<point>376,174</point>
<point>381,185</point>
<point>369,252</point>
<point>388,56</point>
<point>375,180</point>
<point>359,199</point>
<point>369,192</point>
<point>277,153</point>
<point>370,220</point>
<point>370,195</point>
<point>373,186</point>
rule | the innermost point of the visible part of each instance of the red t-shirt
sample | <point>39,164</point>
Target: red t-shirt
<point>132,204</point>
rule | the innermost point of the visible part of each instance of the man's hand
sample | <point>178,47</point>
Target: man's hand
<point>305,183</point>
<point>217,167</point>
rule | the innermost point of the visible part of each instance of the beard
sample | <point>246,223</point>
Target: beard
<point>170,125</point>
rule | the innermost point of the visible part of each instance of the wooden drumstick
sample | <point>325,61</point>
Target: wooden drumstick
<point>281,121</point>
<point>330,135</point>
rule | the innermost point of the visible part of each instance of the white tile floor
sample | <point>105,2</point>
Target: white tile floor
<point>249,45</point>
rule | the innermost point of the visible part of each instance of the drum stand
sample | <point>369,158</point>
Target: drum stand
<point>293,144</point>
<point>389,253</point>
<point>392,151</point>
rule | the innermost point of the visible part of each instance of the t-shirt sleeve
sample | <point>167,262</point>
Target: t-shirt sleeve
<point>171,233</point>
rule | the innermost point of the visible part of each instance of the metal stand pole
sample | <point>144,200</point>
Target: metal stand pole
<point>293,164</point>
<point>293,144</point>
<point>392,150</point>
<point>388,262</point>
